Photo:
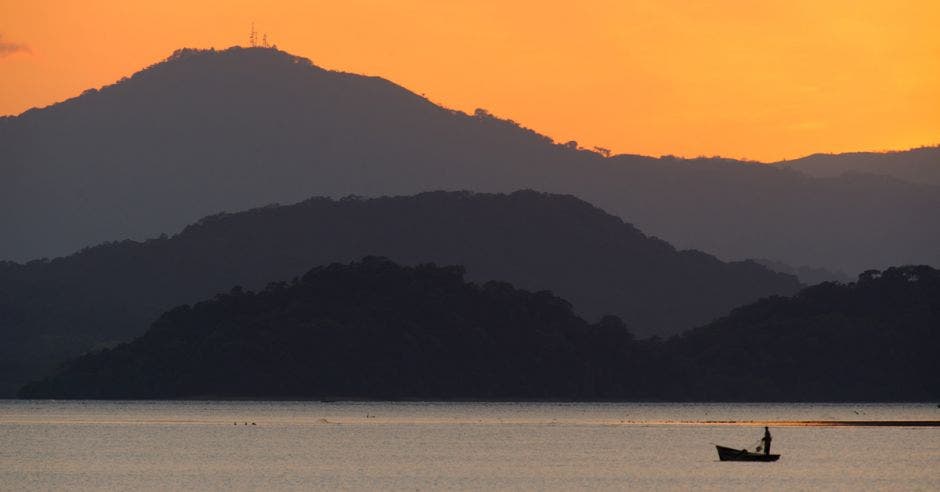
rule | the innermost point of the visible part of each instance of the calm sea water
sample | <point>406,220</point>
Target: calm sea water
<point>306,445</point>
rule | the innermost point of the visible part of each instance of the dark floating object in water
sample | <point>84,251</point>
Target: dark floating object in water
<point>731,454</point>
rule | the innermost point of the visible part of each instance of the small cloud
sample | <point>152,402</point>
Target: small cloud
<point>8,48</point>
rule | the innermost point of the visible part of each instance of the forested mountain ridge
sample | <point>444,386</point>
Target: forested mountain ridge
<point>873,339</point>
<point>535,240</point>
<point>207,131</point>
<point>373,329</point>
<point>370,328</point>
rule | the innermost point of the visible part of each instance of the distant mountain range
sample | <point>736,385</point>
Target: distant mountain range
<point>51,310</point>
<point>916,165</point>
<point>376,330</point>
<point>211,131</point>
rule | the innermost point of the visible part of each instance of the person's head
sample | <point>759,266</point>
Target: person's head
<point>766,428</point>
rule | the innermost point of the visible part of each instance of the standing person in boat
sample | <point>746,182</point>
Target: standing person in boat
<point>766,440</point>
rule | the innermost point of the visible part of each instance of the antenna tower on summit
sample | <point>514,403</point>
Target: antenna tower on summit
<point>253,37</point>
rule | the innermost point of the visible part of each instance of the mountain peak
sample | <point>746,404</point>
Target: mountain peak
<point>238,54</point>
<point>235,73</point>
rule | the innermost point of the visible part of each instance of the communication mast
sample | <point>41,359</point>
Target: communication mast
<point>256,41</point>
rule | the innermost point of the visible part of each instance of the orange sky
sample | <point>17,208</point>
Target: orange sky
<point>740,78</point>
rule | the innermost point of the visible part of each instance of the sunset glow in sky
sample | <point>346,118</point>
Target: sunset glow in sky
<point>753,79</point>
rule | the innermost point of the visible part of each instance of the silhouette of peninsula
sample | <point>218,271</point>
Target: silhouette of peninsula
<point>206,131</point>
<point>377,330</point>
<point>57,309</point>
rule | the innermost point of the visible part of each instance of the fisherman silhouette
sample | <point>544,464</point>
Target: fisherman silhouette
<point>766,441</point>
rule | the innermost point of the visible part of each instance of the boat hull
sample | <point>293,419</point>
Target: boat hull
<point>731,454</point>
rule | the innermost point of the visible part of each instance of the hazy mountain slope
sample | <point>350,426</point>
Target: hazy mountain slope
<point>920,165</point>
<point>230,130</point>
<point>807,275</point>
<point>735,210</point>
<point>536,241</point>
<point>376,330</point>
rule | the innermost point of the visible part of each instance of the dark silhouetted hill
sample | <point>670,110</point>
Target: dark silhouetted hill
<point>376,330</point>
<point>534,240</point>
<point>369,329</point>
<point>872,340</point>
<point>207,131</point>
<point>921,165</point>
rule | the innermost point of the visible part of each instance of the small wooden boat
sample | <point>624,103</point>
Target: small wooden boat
<point>731,454</point>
